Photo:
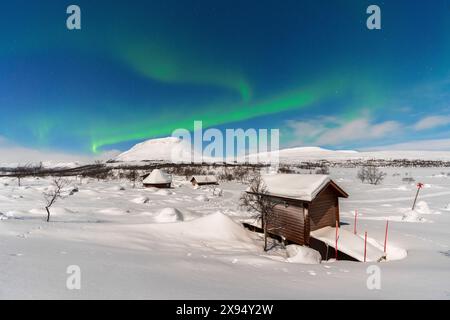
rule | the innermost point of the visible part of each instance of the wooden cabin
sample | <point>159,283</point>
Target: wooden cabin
<point>203,180</point>
<point>158,179</point>
<point>304,203</point>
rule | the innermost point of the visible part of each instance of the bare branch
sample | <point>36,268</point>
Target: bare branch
<point>55,193</point>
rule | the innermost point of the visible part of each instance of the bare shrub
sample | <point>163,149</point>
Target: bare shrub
<point>133,176</point>
<point>371,174</point>
<point>257,201</point>
<point>323,170</point>
<point>285,169</point>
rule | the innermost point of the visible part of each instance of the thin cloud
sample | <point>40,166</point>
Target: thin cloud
<point>331,131</point>
<point>431,122</point>
<point>417,145</point>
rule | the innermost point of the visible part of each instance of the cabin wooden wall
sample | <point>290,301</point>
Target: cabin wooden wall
<point>324,210</point>
<point>289,223</point>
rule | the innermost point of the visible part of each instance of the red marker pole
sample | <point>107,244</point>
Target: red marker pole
<point>365,246</point>
<point>386,235</point>
<point>337,236</point>
<point>354,228</point>
<point>419,186</point>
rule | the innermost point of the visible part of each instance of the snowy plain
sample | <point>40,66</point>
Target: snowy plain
<point>187,243</point>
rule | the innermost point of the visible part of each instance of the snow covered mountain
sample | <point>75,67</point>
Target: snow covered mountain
<point>167,149</point>
<point>163,149</point>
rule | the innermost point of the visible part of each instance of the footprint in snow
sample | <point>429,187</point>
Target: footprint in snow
<point>234,261</point>
<point>16,254</point>
<point>312,273</point>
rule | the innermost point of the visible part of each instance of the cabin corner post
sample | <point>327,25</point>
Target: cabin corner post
<point>306,222</point>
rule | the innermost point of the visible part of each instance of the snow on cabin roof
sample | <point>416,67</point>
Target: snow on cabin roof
<point>204,179</point>
<point>304,187</point>
<point>158,176</point>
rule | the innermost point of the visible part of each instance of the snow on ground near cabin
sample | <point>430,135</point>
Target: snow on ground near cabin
<point>188,243</point>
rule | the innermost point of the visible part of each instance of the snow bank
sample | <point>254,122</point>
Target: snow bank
<point>202,198</point>
<point>392,252</point>
<point>113,211</point>
<point>217,226</point>
<point>3,217</point>
<point>117,188</point>
<point>421,208</point>
<point>412,216</point>
<point>141,200</point>
<point>164,192</point>
<point>53,211</point>
<point>301,254</point>
<point>167,215</point>
<point>349,243</point>
<point>395,253</point>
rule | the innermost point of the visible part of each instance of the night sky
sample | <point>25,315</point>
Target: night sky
<point>140,69</point>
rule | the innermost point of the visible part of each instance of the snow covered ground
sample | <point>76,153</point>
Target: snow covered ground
<point>187,243</point>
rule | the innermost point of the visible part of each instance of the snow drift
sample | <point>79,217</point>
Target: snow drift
<point>167,215</point>
<point>301,254</point>
<point>349,243</point>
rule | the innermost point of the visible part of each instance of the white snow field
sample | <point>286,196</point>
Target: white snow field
<point>188,243</point>
<point>175,149</point>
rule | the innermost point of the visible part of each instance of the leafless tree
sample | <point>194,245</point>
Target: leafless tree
<point>323,170</point>
<point>22,171</point>
<point>54,193</point>
<point>133,176</point>
<point>257,201</point>
<point>371,174</point>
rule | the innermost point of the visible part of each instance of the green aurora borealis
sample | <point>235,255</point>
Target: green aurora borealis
<point>139,70</point>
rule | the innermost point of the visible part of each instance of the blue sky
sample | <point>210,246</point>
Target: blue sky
<point>140,69</point>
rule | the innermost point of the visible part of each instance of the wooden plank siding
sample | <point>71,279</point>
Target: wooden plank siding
<point>289,222</point>
<point>324,209</point>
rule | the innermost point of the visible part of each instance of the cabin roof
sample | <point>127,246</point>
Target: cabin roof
<point>157,177</point>
<point>303,187</point>
<point>204,178</point>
